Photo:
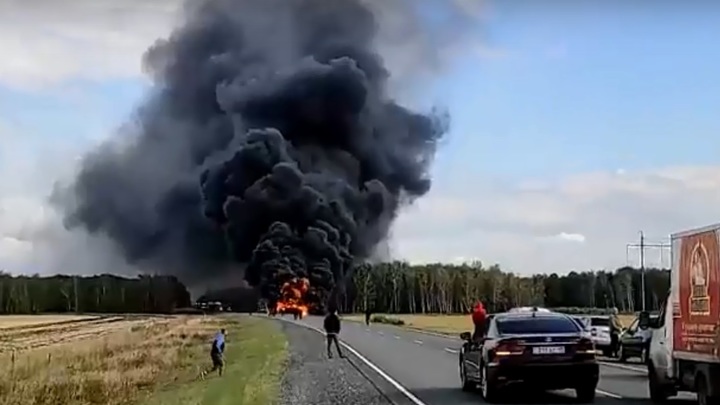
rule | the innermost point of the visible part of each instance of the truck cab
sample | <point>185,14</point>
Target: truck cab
<point>684,352</point>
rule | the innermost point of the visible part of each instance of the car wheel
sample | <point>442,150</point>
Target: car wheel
<point>464,383</point>
<point>487,387</point>
<point>585,393</point>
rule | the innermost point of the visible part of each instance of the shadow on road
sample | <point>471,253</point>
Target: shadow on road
<point>520,396</point>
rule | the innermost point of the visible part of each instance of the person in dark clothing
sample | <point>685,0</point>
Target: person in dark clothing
<point>368,313</point>
<point>332,328</point>
<point>216,354</point>
<point>615,330</point>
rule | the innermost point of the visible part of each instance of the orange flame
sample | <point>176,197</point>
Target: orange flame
<point>292,296</point>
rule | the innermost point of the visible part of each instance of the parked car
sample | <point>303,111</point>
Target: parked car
<point>635,341</point>
<point>599,326</point>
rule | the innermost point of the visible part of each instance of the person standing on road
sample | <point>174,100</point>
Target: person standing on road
<point>332,329</point>
<point>216,354</point>
<point>479,316</point>
<point>368,314</point>
<point>615,329</point>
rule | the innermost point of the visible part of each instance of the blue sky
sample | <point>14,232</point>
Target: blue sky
<point>593,88</point>
<point>580,88</point>
<point>561,90</point>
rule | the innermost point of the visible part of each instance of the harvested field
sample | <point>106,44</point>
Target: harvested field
<point>109,359</point>
<point>20,321</point>
<point>36,335</point>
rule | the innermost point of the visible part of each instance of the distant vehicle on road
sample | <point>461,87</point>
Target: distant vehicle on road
<point>541,349</point>
<point>599,326</point>
<point>635,341</point>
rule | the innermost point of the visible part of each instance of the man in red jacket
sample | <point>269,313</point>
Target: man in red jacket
<point>479,316</point>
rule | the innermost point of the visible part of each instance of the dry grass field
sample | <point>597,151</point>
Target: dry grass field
<point>117,360</point>
<point>446,324</point>
<point>19,321</point>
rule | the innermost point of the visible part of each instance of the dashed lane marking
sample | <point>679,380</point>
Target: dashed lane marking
<point>449,350</point>
<point>624,367</point>
<point>417,341</point>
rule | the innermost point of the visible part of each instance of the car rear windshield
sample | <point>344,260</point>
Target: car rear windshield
<point>537,325</point>
<point>600,321</point>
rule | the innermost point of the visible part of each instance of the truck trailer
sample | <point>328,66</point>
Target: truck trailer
<point>684,352</point>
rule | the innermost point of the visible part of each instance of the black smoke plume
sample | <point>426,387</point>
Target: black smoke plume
<point>268,144</point>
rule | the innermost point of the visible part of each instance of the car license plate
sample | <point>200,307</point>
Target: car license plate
<point>549,350</point>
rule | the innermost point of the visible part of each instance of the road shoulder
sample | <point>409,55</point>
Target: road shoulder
<point>312,378</point>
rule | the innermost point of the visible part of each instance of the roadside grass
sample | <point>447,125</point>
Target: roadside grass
<point>255,360</point>
<point>145,361</point>
<point>445,324</point>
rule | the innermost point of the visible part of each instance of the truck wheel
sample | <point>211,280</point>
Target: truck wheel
<point>658,394</point>
<point>585,393</point>
<point>487,387</point>
<point>703,392</point>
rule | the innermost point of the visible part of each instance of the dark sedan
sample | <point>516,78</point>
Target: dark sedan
<point>543,350</point>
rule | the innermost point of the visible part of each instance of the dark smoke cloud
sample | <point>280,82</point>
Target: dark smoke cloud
<point>268,145</point>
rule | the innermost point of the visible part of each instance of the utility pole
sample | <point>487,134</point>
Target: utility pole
<point>75,288</point>
<point>642,245</point>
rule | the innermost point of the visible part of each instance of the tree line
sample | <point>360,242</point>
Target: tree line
<point>393,287</point>
<point>94,294</point>
<point>398,287</point>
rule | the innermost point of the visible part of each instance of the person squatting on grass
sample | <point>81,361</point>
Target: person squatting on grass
<point>216,354</point>
<point>332,328</point>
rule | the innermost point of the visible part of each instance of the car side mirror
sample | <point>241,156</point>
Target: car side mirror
<point>644,319</point>
<point>465,336</point>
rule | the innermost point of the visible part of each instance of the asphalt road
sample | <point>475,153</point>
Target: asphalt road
<point>427,366</point>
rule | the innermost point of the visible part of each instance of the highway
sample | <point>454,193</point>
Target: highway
<point>427,366</point>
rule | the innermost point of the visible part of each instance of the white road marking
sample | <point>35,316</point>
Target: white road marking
<point>608,394</point>
<point>381,333</point>
<point>624,367</point>
<point>397,337</point>
<point>415,400</point>
<point>417,341</point>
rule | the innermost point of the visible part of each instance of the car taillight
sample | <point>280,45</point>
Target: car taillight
<point>585,346</point>
<point>508,348</point>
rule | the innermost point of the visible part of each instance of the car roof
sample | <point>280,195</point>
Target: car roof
<point>530,315</point>
<point>528,309</point>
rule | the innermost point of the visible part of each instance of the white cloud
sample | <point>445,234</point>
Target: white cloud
<point>516,224</point>
<point>47,42</point>
<point>571,237</point>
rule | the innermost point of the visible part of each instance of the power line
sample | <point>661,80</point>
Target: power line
<point>642,245</point>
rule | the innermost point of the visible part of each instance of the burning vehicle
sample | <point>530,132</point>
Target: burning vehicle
<point>293,298</point>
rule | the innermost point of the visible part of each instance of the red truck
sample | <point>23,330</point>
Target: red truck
<point>684,350</point>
